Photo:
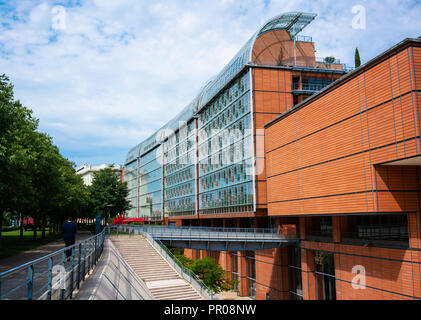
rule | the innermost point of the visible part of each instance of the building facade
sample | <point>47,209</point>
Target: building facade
<point>344,168</point>
<point>282,139</point>
<point>208,162</point>
<point>87,171</point>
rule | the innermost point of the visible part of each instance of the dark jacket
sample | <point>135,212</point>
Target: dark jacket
<point>69,231</point>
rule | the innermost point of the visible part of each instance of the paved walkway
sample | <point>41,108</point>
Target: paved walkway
<point>19,259</point>
<point>231,295</point>
<point>15,284</point>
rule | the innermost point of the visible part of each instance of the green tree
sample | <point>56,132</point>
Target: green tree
<point>108,194</point>
<point>330,59</point>
<point>357,58</point>
<point>212,274</point>
<point>35,180</point>
<point>16,127</point>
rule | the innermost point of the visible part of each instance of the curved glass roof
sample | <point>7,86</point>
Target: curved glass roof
<point>294,22</point>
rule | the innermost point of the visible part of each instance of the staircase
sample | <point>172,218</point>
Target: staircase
<point>162,280</point>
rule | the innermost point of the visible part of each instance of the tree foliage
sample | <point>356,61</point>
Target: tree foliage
<point>330,59</point>
<point>35,179</point>
<point>210,272</point>
<point>357,58</point>
<point>108,194</point>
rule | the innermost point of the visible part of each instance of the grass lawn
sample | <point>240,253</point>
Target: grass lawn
<point>11,244</point>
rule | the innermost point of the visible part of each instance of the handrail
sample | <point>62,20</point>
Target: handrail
<point>36,279</point>
<point>22,266</point>
<point>247,234</point>
<point>185,272</point>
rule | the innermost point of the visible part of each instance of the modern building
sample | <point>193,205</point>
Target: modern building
<point>87,171</point>
<point>343,168</point>
<point>282,139</point>
<point>202,163</point>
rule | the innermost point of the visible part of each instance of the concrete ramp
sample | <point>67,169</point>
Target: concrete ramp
<point>113,279</point>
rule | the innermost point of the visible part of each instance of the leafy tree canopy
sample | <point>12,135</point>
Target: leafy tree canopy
<point>108,194</point>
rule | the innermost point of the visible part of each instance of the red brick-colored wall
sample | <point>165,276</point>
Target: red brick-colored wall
<point>324,158</point>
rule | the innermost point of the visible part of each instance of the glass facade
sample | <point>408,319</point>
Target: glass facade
<point>226,154</point>
<point>180,172</point>
<point>214,175</point>
<point>131,176</point>
<point>150,185</point>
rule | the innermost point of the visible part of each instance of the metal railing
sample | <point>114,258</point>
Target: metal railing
<point>54,276</point>
<point>185,272</point>
<point>215,233</point>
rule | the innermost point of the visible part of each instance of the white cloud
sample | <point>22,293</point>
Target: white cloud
<point>121,69</point>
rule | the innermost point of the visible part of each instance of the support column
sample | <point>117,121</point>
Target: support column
<point>303,228</point>
<point>242,274</point>
<point>336,224</point>
<point>308,277</point>
<point>414,230</point>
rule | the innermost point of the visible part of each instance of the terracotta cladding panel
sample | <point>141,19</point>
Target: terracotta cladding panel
<point>261,192</point>
<point>284,208</point>
<point>285,81</point>
<point>397,177</point>
<point>345,204</point>
<point>417,66</point>
<point>381,125</point>
<point>258,79</point>
<point>284,187</point>
<point>283,133</point>
<point>398,201</point>
<point>336,204</point>
<point>341,176</point>
<point>334,142</point>
<point>404,71</point>
<point>345,175</point>
<point>392,279</point>
<point>258,101</point>
<point>288,102</point>
<point>390,273</point>
<point>284,159</point>
<point>378,85</point>
<point>408,113</point>
<point>394,75</point>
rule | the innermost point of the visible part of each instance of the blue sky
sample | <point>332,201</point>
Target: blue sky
<point>115,71</point>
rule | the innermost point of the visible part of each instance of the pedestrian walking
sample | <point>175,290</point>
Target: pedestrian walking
<point>69,231</point>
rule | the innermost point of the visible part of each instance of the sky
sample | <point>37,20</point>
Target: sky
<point>103,75</point>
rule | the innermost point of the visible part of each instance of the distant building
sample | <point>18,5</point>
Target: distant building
<point>87,171</point>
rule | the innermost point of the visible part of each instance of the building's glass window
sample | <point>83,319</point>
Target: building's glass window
<point>314,84</point>
<point>226,152</point>
<point>294,273</point>
<point>150,185</point>
<point>251,274</point>
<point>131,176</point>
<point>321,228</point>
<point>234,270</point>
<point>324,265</point>
<point>180,172</point>
<point>379,229</point>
